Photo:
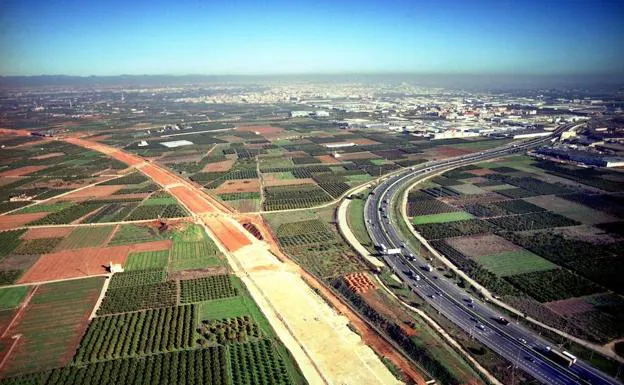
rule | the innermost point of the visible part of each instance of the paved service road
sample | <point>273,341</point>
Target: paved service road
<point>521,346</point>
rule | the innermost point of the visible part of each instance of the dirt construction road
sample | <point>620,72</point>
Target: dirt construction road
<point>325,348</point>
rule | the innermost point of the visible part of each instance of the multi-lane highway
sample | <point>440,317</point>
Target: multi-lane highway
<point>522,347</point>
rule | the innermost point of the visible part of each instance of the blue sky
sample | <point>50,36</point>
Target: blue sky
<point>92,37</point>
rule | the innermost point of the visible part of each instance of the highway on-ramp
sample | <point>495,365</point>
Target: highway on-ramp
<point>521,346</point>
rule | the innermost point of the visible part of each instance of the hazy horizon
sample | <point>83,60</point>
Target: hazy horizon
<point>279,37</point>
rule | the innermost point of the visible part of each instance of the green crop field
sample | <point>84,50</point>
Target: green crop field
<point>515,262</point>
<point>11,297</point>
<point>441,218</point>
<point>167,200</point>
<point>193,249</point>
<point>206,288</point>
<point>49,208</point>
<point>132,233</point>
<point>147,260</point>
<point>85,237</point>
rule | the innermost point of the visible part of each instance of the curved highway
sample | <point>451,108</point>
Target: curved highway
<point>521,346</point>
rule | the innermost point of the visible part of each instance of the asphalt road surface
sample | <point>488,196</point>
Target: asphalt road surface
<point>521,346</point>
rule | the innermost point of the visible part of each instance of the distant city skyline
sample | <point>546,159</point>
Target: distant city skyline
<point>106,38</point>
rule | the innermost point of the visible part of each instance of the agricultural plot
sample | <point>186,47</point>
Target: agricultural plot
<point>292,197</point>
<point>488,279</point>
<point>67,215</point>
<point>133,298</point>
<point>147,260</point>
<point>553,285</point>
<point>139,333</point>
<point>442,217</point>
<point>52,325</point>
<point>229,330</point>
<point>9,240</point>
<point>37,246</point>
<point>187,367</point>
<point>206,288</point>
<point>194,255</point>
<point>313,244</point>
<point>514,262</point>
<point>192,249</point>
<point>47,207</point>
<point>157,211</point>
<point>482,210</point>
<point>519,206</point>
<point>132,233</point>
<point>137,278</point>
<point>516,193</point>
<point>334,189</point>
<point>578,256</point>
<point>453,229</point>
<point>11,297</point>
<point>245,205</point>
<point>82,237</point>
<point>238,196</point>
<point>572,210</point>
<point>478,245</point>
<point>133,178</point>
<point>159,198</point>
<point>257,363</point>
<point>533,221</point>
<point>468,189</point>
<point>529,183</point>
<point>112,212</point>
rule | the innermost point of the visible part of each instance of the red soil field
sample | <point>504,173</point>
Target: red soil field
<point>93,191</point>
<point>196,203</point>
<point>84,262</point>
<point>22,170</point>
<point>17,220</point>
<point>238,185</point>
<point>48,156</point>
<point>327,159</point>
<point>229,235</point>
<point>221,166</point>
<point>261,129</point>
<point>47,232</point>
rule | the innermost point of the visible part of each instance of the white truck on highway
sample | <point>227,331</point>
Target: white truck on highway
<point>393,251</point>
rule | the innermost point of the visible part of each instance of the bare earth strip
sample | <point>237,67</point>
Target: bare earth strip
<point>338,353</point>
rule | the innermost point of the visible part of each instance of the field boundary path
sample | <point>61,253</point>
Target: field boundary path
<point>485,292</point>
<point>319,338</point>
